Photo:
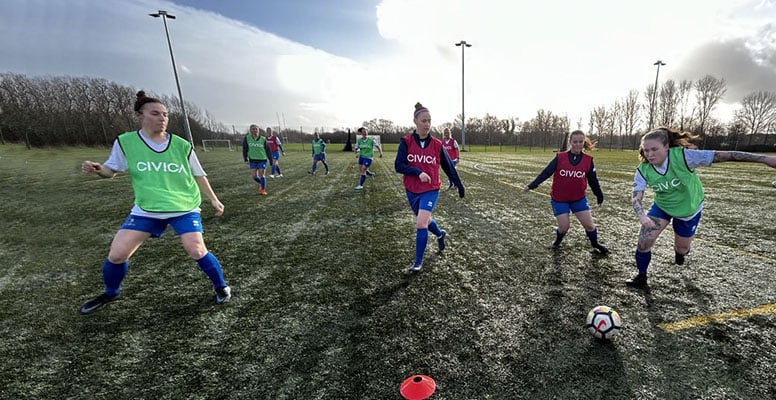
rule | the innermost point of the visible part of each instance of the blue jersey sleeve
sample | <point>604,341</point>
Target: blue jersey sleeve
<point>545,174</point>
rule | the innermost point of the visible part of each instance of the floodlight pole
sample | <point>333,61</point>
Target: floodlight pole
<point>463,45</point>
<point>165,15</point>
<point>654,94</point>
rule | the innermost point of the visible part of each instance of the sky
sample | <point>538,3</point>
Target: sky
<point>337,63</point>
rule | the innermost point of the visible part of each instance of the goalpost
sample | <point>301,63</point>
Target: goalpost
<point>377,139</point>
<point>214,144</point>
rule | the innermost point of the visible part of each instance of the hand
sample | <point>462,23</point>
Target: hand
<point>461,190</point>
<point>90,167</point>
<point>218,206</point>
<point>600,200</point>
<point>424,177</point>
<point>526,188</point>
<point>381,155</point>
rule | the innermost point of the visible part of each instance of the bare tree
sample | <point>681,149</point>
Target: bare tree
<point>669,102</point>
<point>631,109</point>
<point>650,106</point>
<point>684,97</point>
<point>614,121</point>
<point>547,126</point>
<point>599,121</point>
<point>708,91</point>
<point>758,111</point>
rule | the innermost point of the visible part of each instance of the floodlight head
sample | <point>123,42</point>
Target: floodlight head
<point>162,13</point>
<point>658,62</point>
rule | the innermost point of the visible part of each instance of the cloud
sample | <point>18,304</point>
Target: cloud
<point>569,57</point>
<point>743,69</point>
<point>566,57</point>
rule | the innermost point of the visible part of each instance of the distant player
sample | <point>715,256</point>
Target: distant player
<point>451,145</point>
<point>256,152</point>
<point>167,195</point>
<point>419,159</point>
<point>571,172</point>
<point>276,149</point>
<point>365,151</point>
<point>668,163</point>
<point>319,153</point>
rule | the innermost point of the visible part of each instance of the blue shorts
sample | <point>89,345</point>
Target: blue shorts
<point>682,228</point>
<point>423,201</point>
<point>186,223</point>
<point>276,155</point>
<point>319,157</point>
<point>565,207</point>
<point>364,161</point>
<point>257,164</point>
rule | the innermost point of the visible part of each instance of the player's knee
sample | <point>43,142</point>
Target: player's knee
<point>195,250</point>
<point>117,257</point>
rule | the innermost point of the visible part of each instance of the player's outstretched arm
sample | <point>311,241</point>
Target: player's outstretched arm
<point>722,156</point>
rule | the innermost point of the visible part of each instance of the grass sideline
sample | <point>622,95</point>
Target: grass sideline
<point>321,306</point>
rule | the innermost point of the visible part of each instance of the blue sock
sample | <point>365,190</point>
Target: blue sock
<point>315,166</point>
<point>363,179</point>
<point>112,275</point>
<point>421,240</point>
<point>326,165</point>
<point>277,168</point>
<point>257,179</point>
<point>434,228</point>
<point>593,236</point>
<point>642,261</point>
<point>263,182</point>
<point>212,268</point>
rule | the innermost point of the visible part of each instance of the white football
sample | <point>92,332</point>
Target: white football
<point>603,322</point>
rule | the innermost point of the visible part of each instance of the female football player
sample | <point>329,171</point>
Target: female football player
<point>419,158</point>
<point>256,152</point>
<point>571,172</point>
<point>167,179</point>
<point>668,163</point>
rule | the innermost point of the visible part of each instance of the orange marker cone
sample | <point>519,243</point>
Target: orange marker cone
<point>418,387</point>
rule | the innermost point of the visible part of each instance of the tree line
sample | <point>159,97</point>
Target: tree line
<point>63,110</point>
<point>687,105</point>
<point>78,111</point>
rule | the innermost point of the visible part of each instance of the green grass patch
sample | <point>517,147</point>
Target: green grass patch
<point>322,308</point>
